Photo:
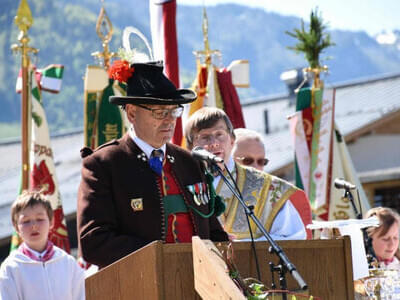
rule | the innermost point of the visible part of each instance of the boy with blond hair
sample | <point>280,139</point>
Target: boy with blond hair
<point>38,269</point>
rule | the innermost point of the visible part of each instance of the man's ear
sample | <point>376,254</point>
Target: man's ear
<point>233,138</point>
<point>130,112</point>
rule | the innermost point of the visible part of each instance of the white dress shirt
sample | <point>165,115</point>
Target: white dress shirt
<point>145,147</point>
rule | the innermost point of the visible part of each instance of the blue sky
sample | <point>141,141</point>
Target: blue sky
<point>372,16</point>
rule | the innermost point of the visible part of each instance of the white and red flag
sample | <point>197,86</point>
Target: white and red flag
<point>321,156</point>
<point>42,168</point>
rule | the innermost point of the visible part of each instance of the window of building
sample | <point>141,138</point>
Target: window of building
<point>388,198</point>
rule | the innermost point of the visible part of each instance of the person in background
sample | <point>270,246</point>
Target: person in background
<point>385,238</point>
<point>140,188</point>
<point>248,149</point>
<point>211,129</point>
<point>38,269</point>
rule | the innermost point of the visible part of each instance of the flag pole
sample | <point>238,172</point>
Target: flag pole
<point>24,21</point>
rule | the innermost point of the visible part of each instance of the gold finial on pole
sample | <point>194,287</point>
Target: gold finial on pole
<point>104,30</point>
<point>207,52</point>
<point>205,34</point>
<point>24,21</point>
<point>317,83</point>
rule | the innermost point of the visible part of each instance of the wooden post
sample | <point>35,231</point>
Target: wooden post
<point>24,21</point>
<point>25,109</point>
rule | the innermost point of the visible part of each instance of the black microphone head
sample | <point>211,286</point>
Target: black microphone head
<point>197,148</point>
<point>340,183</point>
<point>202,154</point>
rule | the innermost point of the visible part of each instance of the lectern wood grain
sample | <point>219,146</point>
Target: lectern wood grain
<point>211,278</point>
<point>165,271</point>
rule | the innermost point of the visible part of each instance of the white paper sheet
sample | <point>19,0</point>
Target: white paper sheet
<point>359,257</point>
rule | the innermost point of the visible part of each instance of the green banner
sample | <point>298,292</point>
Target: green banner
<point>103,120</point>
<point>303,101</point>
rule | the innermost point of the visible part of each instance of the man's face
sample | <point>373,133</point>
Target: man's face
<point>155,132</point>
<point>250,152</point>
<point>216,140</point>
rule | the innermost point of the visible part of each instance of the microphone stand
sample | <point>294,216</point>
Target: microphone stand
<point>371,256</point>
<point>349,195</point>
<point>284,262</point>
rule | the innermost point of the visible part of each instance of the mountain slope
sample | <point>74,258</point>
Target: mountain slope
<point>64,31</point>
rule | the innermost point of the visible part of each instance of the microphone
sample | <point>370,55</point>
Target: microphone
<point>340,183</point>
<point>202,154</point>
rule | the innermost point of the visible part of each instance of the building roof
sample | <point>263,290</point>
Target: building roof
<point>357,104</point>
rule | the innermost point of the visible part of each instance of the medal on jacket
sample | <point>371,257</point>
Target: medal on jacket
<point>201,194</point>
<point>205,193</point>
<point>193,189</point>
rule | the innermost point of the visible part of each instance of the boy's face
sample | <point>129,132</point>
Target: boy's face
<point>216,140</point>
<point>33,226</point>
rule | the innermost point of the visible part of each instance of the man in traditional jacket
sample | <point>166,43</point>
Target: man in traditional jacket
<point>272,197</point>
<point>140,188</point>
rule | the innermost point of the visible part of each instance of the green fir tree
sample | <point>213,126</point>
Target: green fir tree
<point>312,42</point>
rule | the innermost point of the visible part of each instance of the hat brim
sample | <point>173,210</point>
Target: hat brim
<point>181,96</point>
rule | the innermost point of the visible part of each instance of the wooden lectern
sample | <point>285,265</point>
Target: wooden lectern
<point>165,271</point>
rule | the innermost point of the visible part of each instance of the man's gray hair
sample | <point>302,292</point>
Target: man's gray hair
<point>247,133</point>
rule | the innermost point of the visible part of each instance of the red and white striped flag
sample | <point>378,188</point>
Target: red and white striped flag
<point>165,45</point>
<point>302,152</point>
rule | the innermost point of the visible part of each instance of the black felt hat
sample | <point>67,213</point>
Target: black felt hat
<point>149,85</point>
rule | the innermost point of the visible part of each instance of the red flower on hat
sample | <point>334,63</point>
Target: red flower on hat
<point>120,70</point>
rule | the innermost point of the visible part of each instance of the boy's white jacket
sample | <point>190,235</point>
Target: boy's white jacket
<point>60,278</point>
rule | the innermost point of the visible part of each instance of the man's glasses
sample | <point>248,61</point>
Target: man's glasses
<point>206,139</point>
<point>162,113</point>
<point>247,161</point>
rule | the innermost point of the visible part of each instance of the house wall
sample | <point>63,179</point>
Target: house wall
<point>278,110</point>
<point>375,152</point>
